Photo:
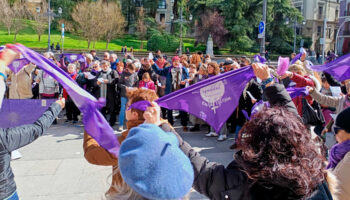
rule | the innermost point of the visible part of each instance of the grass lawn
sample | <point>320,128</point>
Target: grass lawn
<point>29,38</point>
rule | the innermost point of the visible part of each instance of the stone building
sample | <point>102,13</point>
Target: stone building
<point>314,13</point>
<point>343,40</point>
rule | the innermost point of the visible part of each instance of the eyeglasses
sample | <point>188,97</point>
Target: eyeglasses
<point>336,129</point>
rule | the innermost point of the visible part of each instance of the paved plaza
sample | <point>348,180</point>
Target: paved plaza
<point>54,168</point>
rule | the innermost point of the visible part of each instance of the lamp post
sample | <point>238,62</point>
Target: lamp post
<point>181,21</point>
<point>295,33</point>
<point>50,14</point>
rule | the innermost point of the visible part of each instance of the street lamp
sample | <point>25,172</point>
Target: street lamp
<point>181,21</point>
<point>50,14</point>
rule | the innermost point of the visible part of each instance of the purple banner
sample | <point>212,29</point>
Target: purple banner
<point>295,92</point>
<point>18,64</point>
<point>95,124</point>
<point>297,57</point>
<point>71,58</point>
<point>17,112</point>
<point>283,64</point>
<point>259,59</point>
<point>212,100</point>
<point>339,68</point>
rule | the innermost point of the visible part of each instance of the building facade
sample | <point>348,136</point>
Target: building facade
<point>314,13</point>
<point>164,13</point>
<point>343,39</point>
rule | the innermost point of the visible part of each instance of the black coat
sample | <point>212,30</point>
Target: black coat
<point>151,72</point>
<point>217,182</point>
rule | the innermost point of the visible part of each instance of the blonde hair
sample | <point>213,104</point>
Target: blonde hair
<point>297,68</point>
<point>196,59</point>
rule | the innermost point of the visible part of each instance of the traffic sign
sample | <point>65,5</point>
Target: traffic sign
<point>261,27</point>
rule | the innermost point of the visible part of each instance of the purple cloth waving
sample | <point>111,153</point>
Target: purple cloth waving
<point>18,64</point>
<point>95,124</point>
<point>297,57</point>
<point>212,100</point>
<point>337,153</point>
<point>339,68</point>
<point>295,92</point>
<point>259,59</point>
<point>18,112</point>
<point>71,58</point>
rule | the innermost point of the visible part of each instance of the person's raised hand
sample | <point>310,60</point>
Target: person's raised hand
<point>151,62</point>
<point>8,56</point>
<point>261,71</point>
<point>310,89</point>
<point>61,102</point>
<point>152,114</point>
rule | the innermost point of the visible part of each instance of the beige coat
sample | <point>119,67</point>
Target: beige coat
<point>21,83</point>
<point>342,173</point>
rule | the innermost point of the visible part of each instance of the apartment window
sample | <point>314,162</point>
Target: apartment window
<point>336,13</point>
<point>162,4</point>
<point>318,30</point>
<point>299,8</point>
<point>335,34</point>
<point>320,12</point>
<point>329,33</point>
<point>162,18</point>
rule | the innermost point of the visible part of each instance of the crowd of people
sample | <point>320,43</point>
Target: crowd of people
<point>282,153</point>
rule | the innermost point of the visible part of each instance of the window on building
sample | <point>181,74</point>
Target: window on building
<point>335,34</point>
<point>318,30</point>
<point>320,12</point>
<point>299,8</point>
<point>162,4</point>
<point>336,13</point>
<point>162,18</point>
<point>329,33</point>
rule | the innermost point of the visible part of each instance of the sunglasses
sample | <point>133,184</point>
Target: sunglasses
<point>336,129</point>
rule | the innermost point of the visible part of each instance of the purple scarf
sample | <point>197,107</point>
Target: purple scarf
<point>18,64</point>
<point>95,124</point>
<point>259,59</point>
<point>337,153</point>
<point>339,68</point>
<point>297,57</point>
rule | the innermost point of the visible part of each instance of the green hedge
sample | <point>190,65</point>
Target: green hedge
<point>163,42</point>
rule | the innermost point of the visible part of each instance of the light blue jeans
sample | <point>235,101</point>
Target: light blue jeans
<point>123,101</point>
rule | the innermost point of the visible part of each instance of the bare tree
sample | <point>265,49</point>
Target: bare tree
<point>19,18</point>
<point>141,26</point>
<point>6,15</point>
<point>114,21</point>
<point>39,21</point>
<point>89,19</point>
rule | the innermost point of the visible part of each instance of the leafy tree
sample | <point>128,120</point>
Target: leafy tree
<point>211,23</point>
<point>39,20</point>
<point>141,26</point>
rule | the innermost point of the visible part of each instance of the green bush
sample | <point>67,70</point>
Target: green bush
<point>163,42</point>
<point>280,46</point>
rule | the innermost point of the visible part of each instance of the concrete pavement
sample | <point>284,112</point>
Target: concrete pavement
<point>54,168</point>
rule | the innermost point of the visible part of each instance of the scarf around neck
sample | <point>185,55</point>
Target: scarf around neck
<point>337,153</point>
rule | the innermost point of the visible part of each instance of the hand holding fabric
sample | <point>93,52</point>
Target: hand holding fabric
<point>61,102</point>
<point>261,71</point>
<point>8,56</point>
<point>152,114</point>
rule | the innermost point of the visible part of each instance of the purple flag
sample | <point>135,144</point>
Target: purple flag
<point>95,123</point>
<point>283,64</point>
<point>295,92</point>
<point>18,64</point>
<point>71,58</point>
<point>212,100</point>
<point>17,112</point>
<point>259,59</point>
<point>297,57</point>
<point>339,68</point>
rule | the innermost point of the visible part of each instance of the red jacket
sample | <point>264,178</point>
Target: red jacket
<point>302,81</point>
<point>148,85</point>
<point>65,93</point>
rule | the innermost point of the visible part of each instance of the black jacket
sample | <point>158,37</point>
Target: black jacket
<point>217,182</point>
<point>17,137</point>
<point>151,72</point>
<point>127,80</point>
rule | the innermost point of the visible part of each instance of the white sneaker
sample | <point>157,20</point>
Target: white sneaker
<point>212,134</point>
<point>222,138</point>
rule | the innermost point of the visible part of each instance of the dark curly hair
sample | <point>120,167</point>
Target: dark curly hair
<point>277,149</point>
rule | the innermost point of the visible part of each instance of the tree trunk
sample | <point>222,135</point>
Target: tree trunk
<point>89,42</point>
<point>14,40</point>
<point>94,44</point>
<point>141,46</point>
<point>39,37</point>
<point>107,42</point>
<point>9,30</point>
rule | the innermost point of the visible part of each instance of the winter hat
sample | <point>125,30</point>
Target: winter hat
<point>342,120</point>
<point>176,58</point>
<point>153,165</point>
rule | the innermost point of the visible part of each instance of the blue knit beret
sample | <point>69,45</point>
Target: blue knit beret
<point>153,165</point>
